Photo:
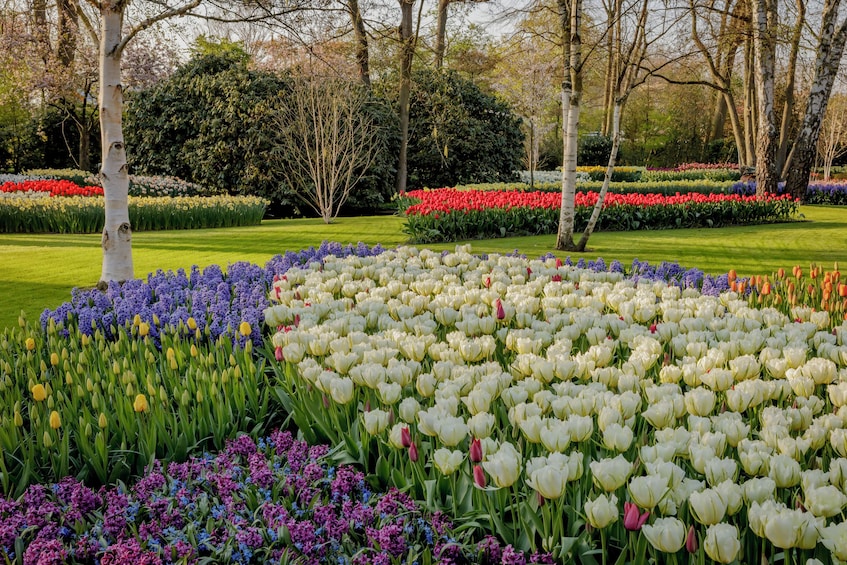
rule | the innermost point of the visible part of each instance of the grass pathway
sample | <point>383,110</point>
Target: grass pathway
<point>38,271</point>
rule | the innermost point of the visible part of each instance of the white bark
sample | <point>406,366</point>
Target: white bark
<point>117,232</point>
<point>765,64</point>
<point>610,170</point>
<point>571,99</point>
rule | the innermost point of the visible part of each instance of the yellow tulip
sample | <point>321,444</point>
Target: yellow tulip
<point>140,404</point>
<point>101,421</point>
<point>245,328</point>
<point>30,344</point>
<point>55,420</point>
<point>143,329</point>
<point>54,359</point>
<point>38,392</point>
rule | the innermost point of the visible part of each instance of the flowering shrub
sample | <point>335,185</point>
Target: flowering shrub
<point>51,187</point>
<point>79,214</point>
<point>536,398</point>
<point>276,500</point>
<point>450,215</point>
<point>76,176</point>
<point>694,171</point>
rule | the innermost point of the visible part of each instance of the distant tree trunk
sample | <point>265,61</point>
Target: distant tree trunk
<point>750,112</point>
<point>67,33</point>
<point>441,33</point>
<point>571,95</point>
<point>788,98</point>
<point>829,52</point>
<point>361,35</point>
<point>407,51</point>
<point>765,64</point>
<point>117,232</point>
<point>42,34</point>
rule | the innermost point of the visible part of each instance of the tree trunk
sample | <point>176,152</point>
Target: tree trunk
<point>68,21</point>
<point>361,35</point>
<point>42,34</point>
<point>829,52</point>
<point>610,170</point>
<point>441,33</point>
<point>571,94</point>
<point>765,58</point>
<point>406,53</point>
<point>117,232</point>
<point>719,115</point>
<point>789,100</point>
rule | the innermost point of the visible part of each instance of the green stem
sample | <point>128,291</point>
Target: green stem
<point>603,547</point>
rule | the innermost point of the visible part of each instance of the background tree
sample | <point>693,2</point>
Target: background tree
<point>832,143</point>
<point>326,142</point>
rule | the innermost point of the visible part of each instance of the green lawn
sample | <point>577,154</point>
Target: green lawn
<point>38,271</point>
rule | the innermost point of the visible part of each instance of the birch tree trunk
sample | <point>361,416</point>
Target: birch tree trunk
<point>571,94</point>
<point>406,53</point>
<point>610,169</point>
<point>765,63</point>
<point>829,52</point>
<point>789,98</point>
<point>117,232</point>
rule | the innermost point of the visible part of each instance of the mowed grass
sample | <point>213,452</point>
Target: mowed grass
<point>39,271</point>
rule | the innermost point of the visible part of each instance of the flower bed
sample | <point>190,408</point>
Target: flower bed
<point>833,192</point>
<point>536,398</point>
<point>51,188</point>
<point>451,215</point>
<point>82,214</point>
<point>667,188</point>
<point>272,501</point>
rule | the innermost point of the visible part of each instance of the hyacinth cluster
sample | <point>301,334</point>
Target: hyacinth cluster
<point>217,300</point>
<point>272,500</point>
<point>165,186</point>
<point>538,397</point>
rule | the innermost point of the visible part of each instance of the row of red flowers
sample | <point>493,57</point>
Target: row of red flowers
<point>445,200</point>
<point>51,186</point>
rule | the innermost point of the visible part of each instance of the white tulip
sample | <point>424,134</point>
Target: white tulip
<point>784,470</point>
<point>648,490</point>
<point>610,474</point>
<point>452,430</point>
<point>834,538</point>
<point>825,501</point>
<point>722,543</point>
<point>759,490</point>
<point>708,506</point>
<point>375,421</point>
<point>617,437</point>
<point>720,470</point>
<point>447,461</point>
<point>665,534</point>
<point>504,466</point>
<point>480,425</point>
<point>409,408</point>
<point>601,511</point>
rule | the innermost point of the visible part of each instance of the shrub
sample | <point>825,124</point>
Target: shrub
<point>76,176</point>
<point>593,150</point>
<point>457,132</point>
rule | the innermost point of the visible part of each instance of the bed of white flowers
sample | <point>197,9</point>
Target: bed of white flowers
<point>572,411</point>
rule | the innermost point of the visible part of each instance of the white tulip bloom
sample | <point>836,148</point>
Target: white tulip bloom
<point>610,474</point>
<point>602,511</point>
<point>665,534</point>
<point>647,491</point>
<point>722,543</point>
<point>447,461</point>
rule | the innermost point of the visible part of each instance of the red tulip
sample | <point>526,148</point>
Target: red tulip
<point>413,453</point>
<point>405,436</point>
<point>501,312</point>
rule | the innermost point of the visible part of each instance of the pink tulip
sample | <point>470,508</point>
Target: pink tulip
<point>501,312</point>
<point>476,450</point>
<point>632,517</point>
<point>278,354</point>
<point>405,437</point>
<point>691,540</point>
<point>479,476</point>
<point>413,453</point>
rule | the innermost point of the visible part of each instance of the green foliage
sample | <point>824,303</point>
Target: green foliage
<point>458,133</point>
<point>196,395</point>
<point>717,175</point>
<point>205,125</point>
<point>593,150</point>
<point>84,214</point>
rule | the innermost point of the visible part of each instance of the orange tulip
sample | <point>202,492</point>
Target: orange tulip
<point>732,275</point>
<point>780,274</point>
<point>842,290</point>
<point>766,288</point>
